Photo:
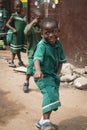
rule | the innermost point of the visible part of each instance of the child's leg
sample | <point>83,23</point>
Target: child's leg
<point>26,84</point>
<point>46,116</point>
<point>50,100</point>
<point>27,77</point>
<point>29,73</point>
<point>44,121</point>
<point>19,58</point>
<point>11,63</point>
<point>13,56</point>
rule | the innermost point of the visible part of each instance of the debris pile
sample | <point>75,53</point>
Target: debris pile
<point>76,77</point>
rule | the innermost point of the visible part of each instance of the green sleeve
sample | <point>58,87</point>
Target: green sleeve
<point>39,52</point>
<point>26,32</point>
<point>26,29</point>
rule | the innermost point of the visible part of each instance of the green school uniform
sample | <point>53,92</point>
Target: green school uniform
<point>18,42</point>
<point>50,56</point>
<point>33,38</point>
<point>3,15</point>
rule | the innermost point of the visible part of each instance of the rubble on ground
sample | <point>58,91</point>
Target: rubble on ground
<point>76,77</point>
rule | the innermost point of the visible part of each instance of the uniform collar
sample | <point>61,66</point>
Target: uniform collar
<point>57,43</point>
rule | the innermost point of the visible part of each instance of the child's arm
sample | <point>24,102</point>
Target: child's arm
<point>38,74</point>
<point>9,26</point>
<point>32,23</point>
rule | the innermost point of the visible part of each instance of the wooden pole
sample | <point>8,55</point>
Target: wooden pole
<point>46,5</point>
<point>28,11</point>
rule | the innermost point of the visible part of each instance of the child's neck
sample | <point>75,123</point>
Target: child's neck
<point>18,13</point>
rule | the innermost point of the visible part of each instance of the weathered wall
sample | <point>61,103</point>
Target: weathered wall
<point>72,15</point>
<point>73,18</point>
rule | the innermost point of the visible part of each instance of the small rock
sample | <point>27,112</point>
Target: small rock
<point>81,83</point>
<point>79,70</point>
<point>67,78</point>
<point>67,68</point>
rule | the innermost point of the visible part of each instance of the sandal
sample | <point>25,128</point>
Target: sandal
<point>26,87</point>
<point>11,64</point>
<point>20,63</point>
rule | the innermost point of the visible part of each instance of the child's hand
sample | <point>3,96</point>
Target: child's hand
<point>35,21</point>
<point>14,31</point>
<point>38,75</point>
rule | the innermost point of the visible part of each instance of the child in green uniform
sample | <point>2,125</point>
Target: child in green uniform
<point>17,23</point>
<point>48,59</point>
<point>3,18</point>
<point>32,32</point>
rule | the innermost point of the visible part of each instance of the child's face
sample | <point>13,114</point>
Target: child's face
<point>39,17</point>
<point>18,7</point>
<point>50,33</point>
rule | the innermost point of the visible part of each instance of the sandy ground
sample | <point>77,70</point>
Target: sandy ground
<point>20,111</point>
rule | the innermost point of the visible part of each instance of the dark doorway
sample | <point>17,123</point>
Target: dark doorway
<point>7,5</point>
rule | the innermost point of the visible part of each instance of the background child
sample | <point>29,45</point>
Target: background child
<point>17,23</point>
<point>32,32</point>
<point>3,19</point>
<point>48,59</point>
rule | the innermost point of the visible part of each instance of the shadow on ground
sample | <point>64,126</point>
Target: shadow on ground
<point>77,123</point>
<point>8,108</point>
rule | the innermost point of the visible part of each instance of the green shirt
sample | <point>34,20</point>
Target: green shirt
<point>50,56</point>
<point>18,40</point>
<point>33,38</point>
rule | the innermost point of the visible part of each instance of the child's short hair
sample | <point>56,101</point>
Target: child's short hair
<point>48,20</point>
<point>18,1</point>
<point>38,11</point>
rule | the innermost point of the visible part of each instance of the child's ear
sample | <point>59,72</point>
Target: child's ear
<point>41,34</point>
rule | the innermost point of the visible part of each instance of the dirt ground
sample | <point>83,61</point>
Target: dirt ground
<point>20,111</point>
